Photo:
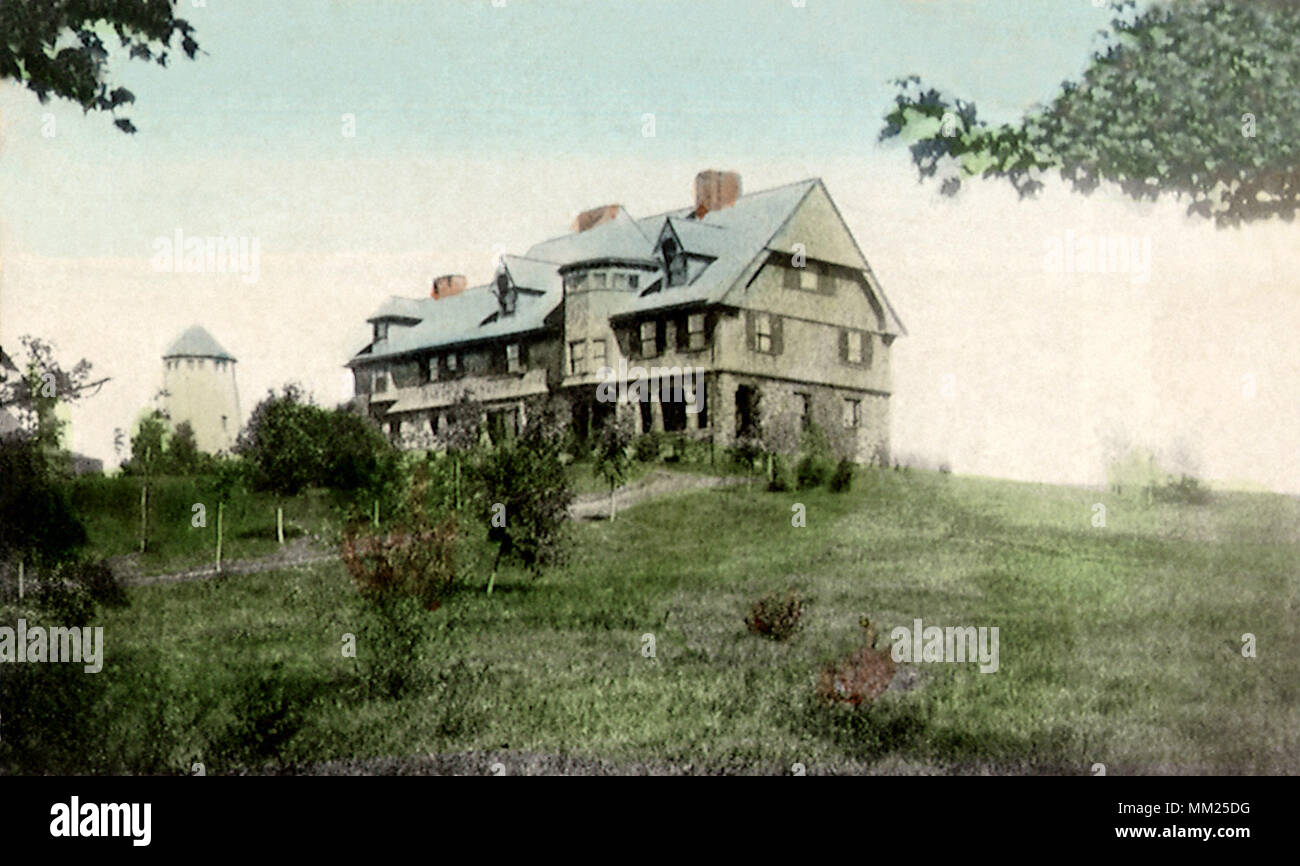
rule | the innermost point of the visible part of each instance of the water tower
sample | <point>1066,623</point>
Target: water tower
<point>199,380</point>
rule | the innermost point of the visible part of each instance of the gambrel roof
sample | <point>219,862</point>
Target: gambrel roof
<point>731,244</point>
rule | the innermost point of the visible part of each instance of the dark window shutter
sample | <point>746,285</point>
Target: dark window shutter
<point>791,277</point>
<point>661,336</point>
<point>778,335</point>
<point>866,349</point>
<point>827,281</point>
<point>750,340</point>
<point>844,346</point>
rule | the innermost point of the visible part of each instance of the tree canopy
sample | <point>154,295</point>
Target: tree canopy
<point>57,47</point>
<point>1198,99</point>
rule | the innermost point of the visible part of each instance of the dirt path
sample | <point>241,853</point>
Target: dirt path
<point>300,551</point>
<point>595,506</point>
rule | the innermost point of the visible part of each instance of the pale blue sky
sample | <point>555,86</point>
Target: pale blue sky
<point>546,78</point>
<point>482,128</point>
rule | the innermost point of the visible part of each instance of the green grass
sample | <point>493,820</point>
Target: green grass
<point>110,508</point>
<point>1119,645</point>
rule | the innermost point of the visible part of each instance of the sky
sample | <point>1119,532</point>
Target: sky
<point>479,126</point>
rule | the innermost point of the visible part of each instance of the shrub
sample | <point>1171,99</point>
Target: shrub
<point>781,480</point>
<point>842,480</point>
<point>776,616</point>
<point>647,448</point>
<point>418,562</point>
<point>268,710</point>
<point>859,678</point>
<point>1186,491</point>
<point>812,472</point>
<point>391,643</point>
<point>528,477</point>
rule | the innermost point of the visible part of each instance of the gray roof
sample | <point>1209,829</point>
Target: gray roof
<point>196,342</point>
<point>620,237</point>
<point>735,242</point>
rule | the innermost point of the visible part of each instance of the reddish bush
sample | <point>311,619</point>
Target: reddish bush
<point>861,677</point>
<point>419,563</point>
<point>776,616</point>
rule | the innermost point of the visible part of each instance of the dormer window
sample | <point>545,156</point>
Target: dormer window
<point>505,294</point>
<point>674,262</point>
<point>512,358</point>
<point>381,331</point>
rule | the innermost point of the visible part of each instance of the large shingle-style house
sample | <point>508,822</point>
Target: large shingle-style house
<point>760,294</point>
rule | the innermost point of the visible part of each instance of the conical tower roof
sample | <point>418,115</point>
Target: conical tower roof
<point>196,342</point>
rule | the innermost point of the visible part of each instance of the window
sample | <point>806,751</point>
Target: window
<point>433,369</point>
<point>852,413</point>
<point>674,263</point>
<point>855,347</point>
<point>578,357</point>
<point>189,362</point>
<point>381,331</point>
<point>599,280</point>
<point>803,404</point>
<point>763,332</point>
<point>380,381</point>
<point>452,362</point>
<point>695,331</point>
<point>577,281</point>
<point>649,343</point>
<point>224,419</point>
<point>512,358</point>
<point>505,294</point>
<point>597,354</point>
<point>808,278</point>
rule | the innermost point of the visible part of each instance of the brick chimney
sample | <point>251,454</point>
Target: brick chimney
<point>715,190</point>
<point>448,285</point>
<point>589,219</point>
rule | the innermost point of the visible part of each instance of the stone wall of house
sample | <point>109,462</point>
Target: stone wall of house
<point>782,410</point>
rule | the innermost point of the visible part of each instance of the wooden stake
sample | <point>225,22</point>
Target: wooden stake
<point>220,507</point>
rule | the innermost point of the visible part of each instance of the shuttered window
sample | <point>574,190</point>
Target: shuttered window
<point>649,339</point>
<point>695,331</point>
<point>855,347</point>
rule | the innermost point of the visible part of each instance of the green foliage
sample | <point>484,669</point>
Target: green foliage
<point>1184,490</point>
<point>59,49</point>
<point>149,447</point>
<point>41,388</point>
<point>1192,99</point>
<point>281,444</point>
<point>528,477</point>
<point>648,447</point>
<point>610,459</point>
<point>183,454</point>
<point>267,708</point>
<point>37,520</point>
<point>776,616</point>
<point>842,480</point>
<point>290,443</point>
<point>782,479</point>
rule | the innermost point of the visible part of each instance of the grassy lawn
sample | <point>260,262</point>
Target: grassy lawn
<point>1118,645</point>
<point>110,508</point>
